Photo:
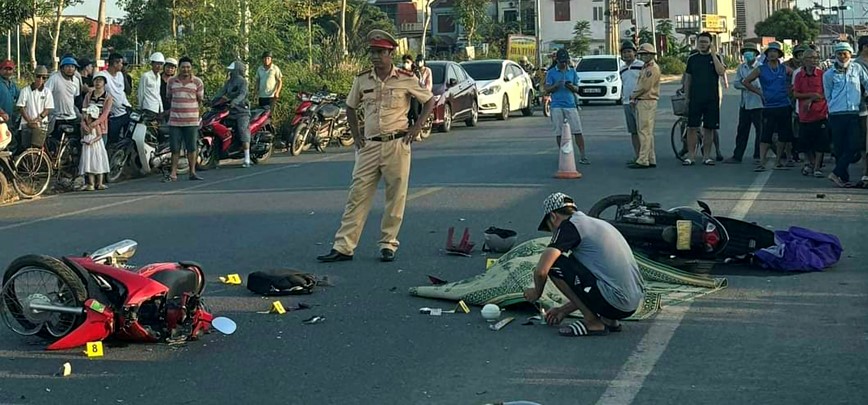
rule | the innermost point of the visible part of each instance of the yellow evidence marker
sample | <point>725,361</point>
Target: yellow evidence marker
<point>277,308</point>
<point>231,279</point>
<point>93,349</point>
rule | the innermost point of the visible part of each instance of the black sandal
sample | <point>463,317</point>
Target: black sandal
<point>578,328</point>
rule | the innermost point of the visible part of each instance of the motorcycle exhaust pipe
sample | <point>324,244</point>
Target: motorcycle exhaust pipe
<point>56,308</point>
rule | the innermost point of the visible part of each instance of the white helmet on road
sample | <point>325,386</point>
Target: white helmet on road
<point>157,57</point>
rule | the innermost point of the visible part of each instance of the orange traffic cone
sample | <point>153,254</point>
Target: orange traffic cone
<point>566,158</point>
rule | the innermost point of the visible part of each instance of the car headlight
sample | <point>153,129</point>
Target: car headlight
<point>490,90</point>
<point>611,78</point>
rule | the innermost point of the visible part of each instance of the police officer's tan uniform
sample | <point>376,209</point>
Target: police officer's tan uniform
<point>385,153</point>
<point>645,95</point>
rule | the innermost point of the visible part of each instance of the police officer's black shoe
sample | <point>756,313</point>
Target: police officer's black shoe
<point>387,255</point>
<point>334,256</point>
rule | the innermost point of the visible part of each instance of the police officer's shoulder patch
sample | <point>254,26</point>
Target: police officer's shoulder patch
<point>364,72</point>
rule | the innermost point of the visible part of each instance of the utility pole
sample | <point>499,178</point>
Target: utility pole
<point>344,27</point>
<point>607,16</point>
<point>537,13</point>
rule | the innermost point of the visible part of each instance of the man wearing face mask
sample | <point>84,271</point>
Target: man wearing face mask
<point>424,73</point>
<point>750,111</point>
<point>842,88</point>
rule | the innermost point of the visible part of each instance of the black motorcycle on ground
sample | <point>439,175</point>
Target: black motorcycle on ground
<point>321,124</point>
<point>681,233</point>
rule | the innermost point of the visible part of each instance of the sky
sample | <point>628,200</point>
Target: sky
<point>90,8</point>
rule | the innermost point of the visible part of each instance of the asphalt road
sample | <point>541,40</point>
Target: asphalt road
<point>767,339</point>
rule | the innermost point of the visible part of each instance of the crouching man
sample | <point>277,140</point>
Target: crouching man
<point>591,264</point>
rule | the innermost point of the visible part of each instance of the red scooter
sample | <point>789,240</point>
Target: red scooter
<point>75,300</point>
<point>217,140</point>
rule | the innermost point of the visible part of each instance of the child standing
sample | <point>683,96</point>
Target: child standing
<point>94,158</point>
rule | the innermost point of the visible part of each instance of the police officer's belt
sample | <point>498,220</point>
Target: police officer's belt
<point>388,137</point>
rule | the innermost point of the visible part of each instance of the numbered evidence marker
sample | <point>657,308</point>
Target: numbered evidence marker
<point>462,307</point>
<point>277,308</point>
<point>93,349</point>
<point>231,279</point>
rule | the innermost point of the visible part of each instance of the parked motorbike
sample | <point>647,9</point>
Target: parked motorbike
<point>151,140</point>
<point>120,153</point>
<point>217,139</point>
<point>321,123</point>
<point>542,99</point>
<point>74,300</point>
<point>681,232</point>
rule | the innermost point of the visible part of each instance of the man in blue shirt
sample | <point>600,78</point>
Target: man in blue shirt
<point>842,88</point>
<point>8,96</point>
<point>562,85</point>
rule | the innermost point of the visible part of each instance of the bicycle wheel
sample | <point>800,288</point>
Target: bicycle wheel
<point>678,137</point>
<point>32,173</point>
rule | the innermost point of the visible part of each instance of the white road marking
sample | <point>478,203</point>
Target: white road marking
<point>423,192</point>
<point>630,379</point>
<point>156,195</point>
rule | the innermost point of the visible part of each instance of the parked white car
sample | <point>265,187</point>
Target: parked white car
<point>503,87</point>
<point>599,79</point>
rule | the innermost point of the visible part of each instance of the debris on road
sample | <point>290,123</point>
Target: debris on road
<point>490,312</point>
<point>436,281</point>
<point>498,326</point>
<point>281,282</point>
<point>464,247</point>
<point>498,240</point>
<point>530,320</point>
<point>821,195</point>
<point>313,320</point>
<point>65,370</point>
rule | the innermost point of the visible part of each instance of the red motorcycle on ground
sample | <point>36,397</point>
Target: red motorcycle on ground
<point>217,140</point>
<point>75,300</point>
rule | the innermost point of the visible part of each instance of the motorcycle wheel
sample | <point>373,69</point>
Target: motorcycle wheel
<point>608,202</point>
<point>298,139</point>
<point>41,279</point>
<point>265,156</point>
<point>4,187</point>
<point>118,158</point>
<point>209,156</point>
<point>547,108</point>
<point>347,139</point>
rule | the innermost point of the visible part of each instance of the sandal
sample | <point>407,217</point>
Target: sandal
<point>759,168</point>
<point>169,179</point>
<point>837,180</point>
<point>818,174</point>
<point>708,162</point>
<point>780,166</point>
<point>102,187</point>
<point>614,326</point>
<point>806,170</point>
<point>195,177</point>
<point>687,162</point>
<point>578,328</point>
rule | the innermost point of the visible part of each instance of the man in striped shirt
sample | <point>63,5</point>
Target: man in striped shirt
<point>185,93</point>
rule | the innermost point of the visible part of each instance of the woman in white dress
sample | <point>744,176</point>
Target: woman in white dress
<point>94,158</point>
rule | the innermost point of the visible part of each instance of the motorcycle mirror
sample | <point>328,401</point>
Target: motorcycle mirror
<point>705,208</point>
<point>224,325</point>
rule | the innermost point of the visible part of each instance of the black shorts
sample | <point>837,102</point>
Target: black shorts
<point>778,120</point>
<point>579,278</point>
<point>815,136</point>
<point>705,112</point>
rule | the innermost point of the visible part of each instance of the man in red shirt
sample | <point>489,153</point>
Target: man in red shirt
<point>813,112</point>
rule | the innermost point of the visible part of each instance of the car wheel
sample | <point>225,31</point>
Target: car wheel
<point>528,111</point>
<point>619,102</point>
<point>446,126</point>
<point>474,115</point>
<point>504,108</point>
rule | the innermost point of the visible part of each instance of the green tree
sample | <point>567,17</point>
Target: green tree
<point>472,15</point>
<point>581,42</point>
<point>14,13</point>
<point>793,24</point>
<point>361,19</point>
<point>75,39</point>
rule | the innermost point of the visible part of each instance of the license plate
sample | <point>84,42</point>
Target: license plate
<point>684,230</point>
<point>592,91</point>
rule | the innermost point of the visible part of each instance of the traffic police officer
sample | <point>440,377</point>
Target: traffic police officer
<point>645,98</point>
<point>382,150</point>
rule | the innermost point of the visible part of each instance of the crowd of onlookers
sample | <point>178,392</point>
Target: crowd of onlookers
<point>99,104</point>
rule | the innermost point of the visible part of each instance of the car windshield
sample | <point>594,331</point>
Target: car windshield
<point>598,65</point>
<point>483,71</point>
<point>438,74</point>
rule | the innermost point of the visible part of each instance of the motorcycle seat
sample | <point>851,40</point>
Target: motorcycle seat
<point>256,113</point>
<point>179,281</point>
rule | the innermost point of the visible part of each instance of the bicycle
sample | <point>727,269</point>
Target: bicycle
<point>35,166</point>
<point>678,135</point>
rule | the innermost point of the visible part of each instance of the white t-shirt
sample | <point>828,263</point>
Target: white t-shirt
<point>629,78</point>
<point>63,92</point>
<point>34,103</point>
<point>115,88</point>
<point>268,80</point>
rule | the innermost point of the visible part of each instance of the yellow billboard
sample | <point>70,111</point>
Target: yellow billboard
<point>714,23</point>
<point>521,45</point>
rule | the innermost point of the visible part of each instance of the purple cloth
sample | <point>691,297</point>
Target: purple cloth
<point>800,249</point>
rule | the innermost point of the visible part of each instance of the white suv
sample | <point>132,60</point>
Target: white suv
<point>599,78</point>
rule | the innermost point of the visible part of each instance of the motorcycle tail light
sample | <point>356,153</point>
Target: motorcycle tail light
<point>711,236</point>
